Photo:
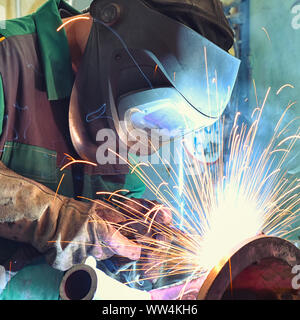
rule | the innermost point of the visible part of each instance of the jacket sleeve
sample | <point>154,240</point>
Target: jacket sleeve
<point>60,228</point>
<point>2,104</point>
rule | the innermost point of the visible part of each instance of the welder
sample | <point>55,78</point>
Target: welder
<point>128,62</point>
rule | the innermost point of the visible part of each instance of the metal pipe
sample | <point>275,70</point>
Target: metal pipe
<point>260,269</point>
<point>86,282</point>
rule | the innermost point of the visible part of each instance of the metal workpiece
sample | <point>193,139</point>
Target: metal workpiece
<point>86,282</point>
<point>260,269</point>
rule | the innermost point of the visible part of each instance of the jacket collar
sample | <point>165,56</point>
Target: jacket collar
<point>54,49</point>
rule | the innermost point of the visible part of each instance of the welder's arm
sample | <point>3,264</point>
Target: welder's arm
<point>62,229</point>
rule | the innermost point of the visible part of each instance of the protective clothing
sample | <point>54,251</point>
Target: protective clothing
<point>66,231</point>
<point>36,81</point>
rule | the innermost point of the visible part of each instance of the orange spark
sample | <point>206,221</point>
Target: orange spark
<point>73,161</point>
<point>155,69</point>
<point>266,32</point>
<point>138,165</point>
<point>123,226</point>
<point>164,183</point>
<point>112,193</point>
<point>230,274</point>
<point>254,111</point>
<point>58,187</point>
<point>70,21</point>
<point>155,208</point>
<point>284,86</point>
<point>255,92</point>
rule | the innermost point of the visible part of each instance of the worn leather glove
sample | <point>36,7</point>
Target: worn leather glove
<point>144,221</point>
<point>148,215</point>
<point>66,231</point>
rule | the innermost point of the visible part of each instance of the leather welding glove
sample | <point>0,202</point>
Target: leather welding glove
<point>150,224</point>
<point>64,230</point>
<point>147,214</point>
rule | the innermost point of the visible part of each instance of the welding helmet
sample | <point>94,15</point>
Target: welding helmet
<point>144,69</point>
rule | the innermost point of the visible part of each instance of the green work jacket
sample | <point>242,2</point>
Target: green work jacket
<point>36,81</point>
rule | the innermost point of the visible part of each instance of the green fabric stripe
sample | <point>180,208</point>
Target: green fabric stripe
<point>39,164</point>
<point>30,161</point>
<point>18,27</point>
<point>55,51</point>
<point>94,184</point>
<point>54,47</point>
<point>31,283</point>
<point>2,105</point>
<point>26,25</point>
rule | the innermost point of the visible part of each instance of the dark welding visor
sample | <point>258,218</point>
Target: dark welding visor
<point>195,77</point>
<point>150,71</point>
